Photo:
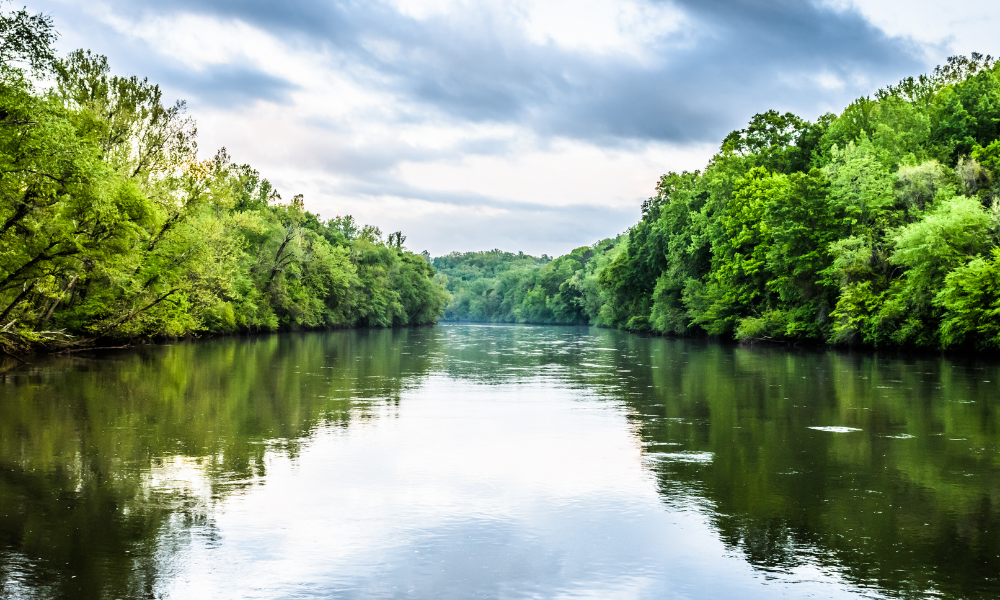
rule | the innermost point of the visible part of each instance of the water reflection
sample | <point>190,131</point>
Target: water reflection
<point>101,455</point>
<point>497,461</point>
<point>886,468</point>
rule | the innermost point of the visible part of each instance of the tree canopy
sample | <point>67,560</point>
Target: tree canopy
<point>112,226</point>
<point>878,227</point>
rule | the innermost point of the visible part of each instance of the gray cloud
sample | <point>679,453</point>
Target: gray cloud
<point>732,59</point>
<point>737,58</point>
<point>554,230</point>
<point>228,85</point>
<point>484,221</point>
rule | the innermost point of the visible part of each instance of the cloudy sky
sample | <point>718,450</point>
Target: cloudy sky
<point>535,125</point>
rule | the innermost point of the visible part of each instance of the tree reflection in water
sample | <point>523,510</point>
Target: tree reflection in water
<point>885,470</point>
<point>106,462</point>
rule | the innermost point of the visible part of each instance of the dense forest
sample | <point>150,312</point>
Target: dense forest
<point>111,226</point>
<point>875,227</point>
<point>502,287</point>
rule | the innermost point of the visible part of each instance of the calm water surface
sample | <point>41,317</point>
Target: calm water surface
<point>467,461</point>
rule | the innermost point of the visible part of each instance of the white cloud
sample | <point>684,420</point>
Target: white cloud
<point>625,27</point>
<point>954,27</point>
<point>354,140</point>
<point>336,127</point>
<point>602,26</point>
<point>829,81</point>
<point>196,41</point>
<point>560,173</point>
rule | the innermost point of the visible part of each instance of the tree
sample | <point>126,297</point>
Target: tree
<point>27,38</point>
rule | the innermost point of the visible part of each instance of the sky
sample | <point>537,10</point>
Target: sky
<point>528,125</point>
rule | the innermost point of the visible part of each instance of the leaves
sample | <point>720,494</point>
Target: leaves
<point>110,227</point>
<point>867,242</point>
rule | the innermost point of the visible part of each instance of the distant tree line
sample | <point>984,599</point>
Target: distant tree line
<point>111,227</point>
<point>875,227</point>
<point>503,287</point>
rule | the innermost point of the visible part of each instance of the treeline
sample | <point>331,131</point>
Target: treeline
<point>503,287</point>
<point>111,227</point>
<point>875,227</point>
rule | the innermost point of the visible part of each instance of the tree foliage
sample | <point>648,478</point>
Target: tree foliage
<point>502,287</point>
<point>112,227</point>
<point>878,226</point>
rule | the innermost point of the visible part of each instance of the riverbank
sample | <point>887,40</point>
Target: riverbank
<point>876,227</point>
<point>24,352</point>
<point>966,352</point>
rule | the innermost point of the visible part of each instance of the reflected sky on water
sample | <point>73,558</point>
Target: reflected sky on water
<point>467,461</point>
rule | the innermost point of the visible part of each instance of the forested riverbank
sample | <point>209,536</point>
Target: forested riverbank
<point>503,287</point>
<point>876,227</point>
<point>112,228</point>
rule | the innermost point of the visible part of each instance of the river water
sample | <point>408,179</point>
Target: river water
<point>469,461</point>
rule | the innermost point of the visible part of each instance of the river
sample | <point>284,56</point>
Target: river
<point>478,461</point>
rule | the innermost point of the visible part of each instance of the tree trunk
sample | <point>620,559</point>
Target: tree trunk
<point>27,290</point>
<point>136,313</point>
<point>52,309</point>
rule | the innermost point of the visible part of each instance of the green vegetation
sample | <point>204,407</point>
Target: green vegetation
<point>877,227</point>
<point>501,287</point>
<point>110,226</point>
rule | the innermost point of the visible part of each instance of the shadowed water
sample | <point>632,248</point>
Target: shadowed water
<point>466,461</point>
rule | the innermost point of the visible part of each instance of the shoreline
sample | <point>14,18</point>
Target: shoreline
<point>33,350</point>
<point>23,357</point>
